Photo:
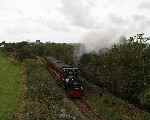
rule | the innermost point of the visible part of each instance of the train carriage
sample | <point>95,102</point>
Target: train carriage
<point>69,75</point>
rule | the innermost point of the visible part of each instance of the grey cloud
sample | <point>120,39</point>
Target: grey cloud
<point>145,5</point>
<point>145,25</point>
<point>139,17</point>
<point>78,13</point>
<point>92,2</point>
<point>141,21</point>
<point>54,25</point>
<point>117,19</point>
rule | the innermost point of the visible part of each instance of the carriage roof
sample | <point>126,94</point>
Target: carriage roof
<point>59,63</point>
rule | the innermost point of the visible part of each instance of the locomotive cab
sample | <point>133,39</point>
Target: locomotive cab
<point>72,82</point>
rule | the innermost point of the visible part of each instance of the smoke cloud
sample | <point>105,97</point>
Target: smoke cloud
<point>94,41</point>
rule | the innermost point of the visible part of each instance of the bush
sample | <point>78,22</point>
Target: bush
<point>145,98</point>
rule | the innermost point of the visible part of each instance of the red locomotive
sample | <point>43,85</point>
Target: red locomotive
<point>67,74</point>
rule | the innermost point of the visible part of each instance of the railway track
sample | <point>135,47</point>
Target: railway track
<point>86,109</point>
<point>81,103</point>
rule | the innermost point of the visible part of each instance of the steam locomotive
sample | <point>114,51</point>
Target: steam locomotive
<point>67,75</point>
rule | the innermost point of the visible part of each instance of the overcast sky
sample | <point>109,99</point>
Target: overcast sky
<point>71,20</point>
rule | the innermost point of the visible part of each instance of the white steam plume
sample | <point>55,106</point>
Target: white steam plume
<point>96,40</point>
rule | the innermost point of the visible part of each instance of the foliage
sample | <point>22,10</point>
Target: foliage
<point>123,69</point>
<point>23,50</point>
<point>113,108</point>
<point>145,98</point>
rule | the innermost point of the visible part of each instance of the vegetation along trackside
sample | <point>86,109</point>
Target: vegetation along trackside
<point>10,85</point>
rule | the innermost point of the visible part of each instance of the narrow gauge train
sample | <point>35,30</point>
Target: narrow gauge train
<point>68,75</point>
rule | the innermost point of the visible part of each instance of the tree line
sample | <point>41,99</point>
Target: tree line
<point>123,69</point>
<point>24,50</point>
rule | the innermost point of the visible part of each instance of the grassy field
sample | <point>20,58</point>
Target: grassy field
<point>10,85</point>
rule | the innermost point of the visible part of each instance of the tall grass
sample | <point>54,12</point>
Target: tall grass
<point>10,79</point>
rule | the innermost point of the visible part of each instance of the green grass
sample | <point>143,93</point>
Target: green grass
<point>113,108</point>
<point>10,85</point>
